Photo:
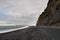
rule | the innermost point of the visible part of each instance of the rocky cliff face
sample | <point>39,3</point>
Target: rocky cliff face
<point>51,15</point>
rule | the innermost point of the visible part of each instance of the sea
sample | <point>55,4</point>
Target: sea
<point>5,29</point>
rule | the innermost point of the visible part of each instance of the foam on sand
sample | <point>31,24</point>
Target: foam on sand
<point>13,29</point>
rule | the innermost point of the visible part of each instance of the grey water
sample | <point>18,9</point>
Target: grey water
<point>10,27</point>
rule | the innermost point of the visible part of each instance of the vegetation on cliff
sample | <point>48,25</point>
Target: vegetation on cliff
<point>51,15</point>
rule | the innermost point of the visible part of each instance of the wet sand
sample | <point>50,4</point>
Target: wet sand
<point>33,33</point>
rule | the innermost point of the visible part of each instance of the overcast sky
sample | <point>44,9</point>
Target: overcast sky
<point>23,12</point>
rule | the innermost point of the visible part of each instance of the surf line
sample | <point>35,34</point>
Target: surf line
<point>6,31</point>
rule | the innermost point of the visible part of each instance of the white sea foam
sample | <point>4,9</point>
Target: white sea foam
<point>6,31</point>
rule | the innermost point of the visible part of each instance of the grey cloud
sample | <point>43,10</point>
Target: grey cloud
<point>23,11</point>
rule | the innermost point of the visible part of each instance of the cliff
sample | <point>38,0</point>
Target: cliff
<point>51,15</point>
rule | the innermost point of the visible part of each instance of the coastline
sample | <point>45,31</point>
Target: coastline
<point>10,30</point>
<point>32,33</point>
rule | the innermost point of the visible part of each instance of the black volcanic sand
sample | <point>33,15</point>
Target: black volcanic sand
<point>33,33</point>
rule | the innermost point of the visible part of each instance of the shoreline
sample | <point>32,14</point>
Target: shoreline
<point>6,31</point>
<point>33,33</point>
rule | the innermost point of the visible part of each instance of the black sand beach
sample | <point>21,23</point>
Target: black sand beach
<point>33,33</point>
<point>50,18</point>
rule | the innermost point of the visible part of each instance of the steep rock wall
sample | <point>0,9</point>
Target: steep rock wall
<point>51,15</point>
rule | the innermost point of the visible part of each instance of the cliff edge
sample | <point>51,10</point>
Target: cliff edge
<point>51,15</point>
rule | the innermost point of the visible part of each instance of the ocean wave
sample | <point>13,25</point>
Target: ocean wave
<point>10,30</point>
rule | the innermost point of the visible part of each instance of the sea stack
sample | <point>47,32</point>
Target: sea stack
<point>51,15</point>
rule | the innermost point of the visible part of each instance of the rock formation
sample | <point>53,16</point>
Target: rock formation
<point>51,15</point>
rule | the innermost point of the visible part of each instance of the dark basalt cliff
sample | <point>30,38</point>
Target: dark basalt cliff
<point>51,15</point>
